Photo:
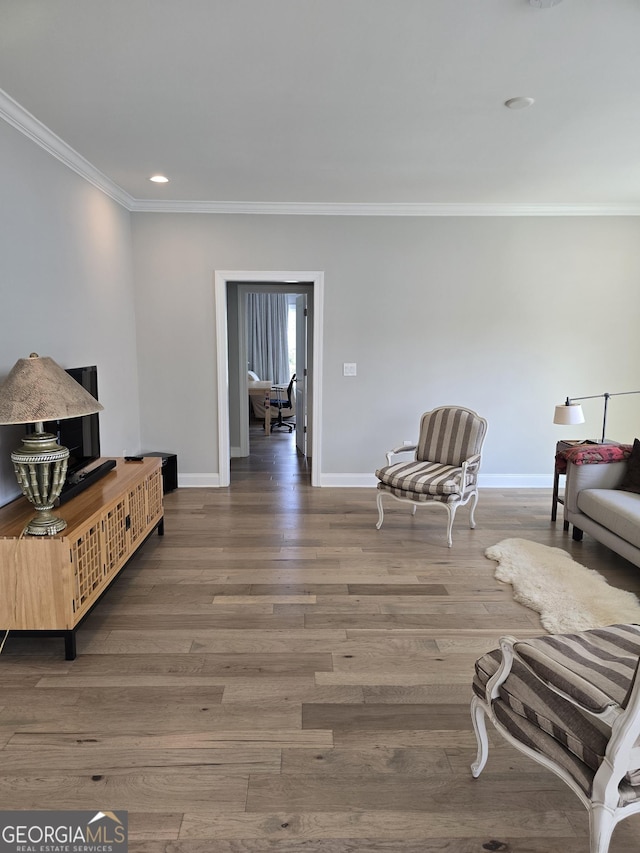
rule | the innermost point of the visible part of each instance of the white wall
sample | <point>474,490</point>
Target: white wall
<point>507,315</point>
<point>65,287</point>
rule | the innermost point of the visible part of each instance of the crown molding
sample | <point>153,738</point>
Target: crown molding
<point>382,209</point>
<point>33,129</point>
<point>22,120</point>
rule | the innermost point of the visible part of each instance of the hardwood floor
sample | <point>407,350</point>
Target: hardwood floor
<point>277,674</point>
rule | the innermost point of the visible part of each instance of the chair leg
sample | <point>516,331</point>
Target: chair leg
<point>480,729</point>
<point>380,510</point>
<point>451,512</point>
<point>472,509</point>
<point>601,826</point>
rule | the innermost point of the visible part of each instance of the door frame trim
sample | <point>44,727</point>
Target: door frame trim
<point>221,279</point>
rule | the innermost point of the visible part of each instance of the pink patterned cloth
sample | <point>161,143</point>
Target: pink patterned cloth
<point>591,454</point>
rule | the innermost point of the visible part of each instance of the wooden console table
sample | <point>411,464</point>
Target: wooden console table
<point>50,583</point>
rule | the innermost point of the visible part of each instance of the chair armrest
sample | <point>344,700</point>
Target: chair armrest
<point>473,462</point>
<point>469,470</point>
<point>404,448</point>
<point>493,685</point>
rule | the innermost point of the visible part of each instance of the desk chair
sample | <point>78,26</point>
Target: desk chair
<point>282,399</point>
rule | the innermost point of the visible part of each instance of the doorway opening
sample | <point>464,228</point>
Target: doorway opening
<point>233,410</point>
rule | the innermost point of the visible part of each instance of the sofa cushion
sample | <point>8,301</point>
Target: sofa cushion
<point>631,480</point>
<point>614,509</point>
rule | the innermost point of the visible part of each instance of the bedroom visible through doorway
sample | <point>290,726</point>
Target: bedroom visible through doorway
<point>233,409</point>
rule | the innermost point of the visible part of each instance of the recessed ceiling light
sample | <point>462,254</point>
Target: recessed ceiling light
<point>159,179</point>
<point>519,103</point>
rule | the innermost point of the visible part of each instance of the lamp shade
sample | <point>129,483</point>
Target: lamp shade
<point>569,413</point>
<point>37,389</point>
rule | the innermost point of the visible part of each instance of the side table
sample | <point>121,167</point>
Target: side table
<point>169,469</point>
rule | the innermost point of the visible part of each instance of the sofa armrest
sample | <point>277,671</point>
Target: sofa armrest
<point>607,475</point>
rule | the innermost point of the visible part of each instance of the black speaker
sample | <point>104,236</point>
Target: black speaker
<point>169,469</point>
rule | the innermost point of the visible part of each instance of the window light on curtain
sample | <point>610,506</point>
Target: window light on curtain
<point>267,336</point>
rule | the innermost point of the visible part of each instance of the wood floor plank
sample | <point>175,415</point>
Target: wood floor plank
<point>198,791</point>
<point>408,678</point>
<point>339,763</point>
<point>383,715</point>
<point>106,761</point>
<point>440,794</point>
<point>397,589</point>
<point>387,826</point>
<point>214,618</point>
<point>151,828</point>
<point>194,739</point>
<point>174,717</point>
<point>475,844</point>
<point>289,689</point>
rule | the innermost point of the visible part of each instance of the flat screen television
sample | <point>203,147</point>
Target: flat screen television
<point>80,435</point>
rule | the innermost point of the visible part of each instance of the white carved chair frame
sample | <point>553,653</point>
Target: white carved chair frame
<point>462,479</point>
<point>468,471</point>
<point>622,752</point>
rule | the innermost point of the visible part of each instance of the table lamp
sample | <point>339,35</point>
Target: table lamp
<point>37,390</point>
<point>570,412</point>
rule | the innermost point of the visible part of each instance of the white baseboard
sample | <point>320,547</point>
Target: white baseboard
<point>487,481</point>
<point>198,481</point>
<point>364,481</point>
<point>515,481</point>
<point>348,481</point>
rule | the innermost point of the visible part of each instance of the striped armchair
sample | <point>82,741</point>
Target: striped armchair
<point>445,466</point>
<point>571,703</point>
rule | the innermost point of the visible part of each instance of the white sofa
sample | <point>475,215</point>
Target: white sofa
<point>595,504</point>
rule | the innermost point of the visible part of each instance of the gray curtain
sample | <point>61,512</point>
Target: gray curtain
<point>268,339</point>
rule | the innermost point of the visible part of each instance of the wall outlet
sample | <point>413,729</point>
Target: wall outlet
<point>407,441</point>
<point>349,368</point>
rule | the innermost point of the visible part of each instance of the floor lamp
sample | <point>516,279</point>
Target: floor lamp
<point>571,412</point>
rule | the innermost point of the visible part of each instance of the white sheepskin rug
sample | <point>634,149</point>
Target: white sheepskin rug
<point>569,597</point>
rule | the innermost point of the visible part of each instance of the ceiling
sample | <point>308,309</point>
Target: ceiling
<point>337,102</point>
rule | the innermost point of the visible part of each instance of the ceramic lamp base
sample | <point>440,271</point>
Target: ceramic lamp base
<point>40,466</point>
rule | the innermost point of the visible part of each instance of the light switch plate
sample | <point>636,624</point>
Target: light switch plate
<point>349,368</point>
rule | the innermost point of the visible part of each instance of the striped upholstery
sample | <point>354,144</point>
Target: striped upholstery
<point>421,478</point>
<point>596,668</point>
<point>450,435</point>
<point>416,497</point>
<point>445,467</point>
